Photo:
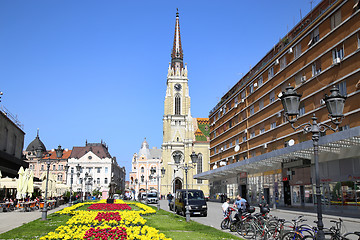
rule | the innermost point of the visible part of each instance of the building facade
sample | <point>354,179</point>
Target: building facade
<point>38,165</point>
<point>11,144</point>
<point>142,163</point>
<point>254,151</point>
<point>98,169</point>
<point>179,128</point>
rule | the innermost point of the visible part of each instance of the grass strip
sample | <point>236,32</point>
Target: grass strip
<point>176,227</point>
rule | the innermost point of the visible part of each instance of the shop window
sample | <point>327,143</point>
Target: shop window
<point>282,62</point>
<point>338,54</point>
<point>345,127</point>
<point>271,73</point>
<point>297,50</point>
<point>316,68</point>
<point>335,19</point>
<point>260,81</point>
<point>314,37</point>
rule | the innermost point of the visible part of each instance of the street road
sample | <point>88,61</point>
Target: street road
<point>215,217</point>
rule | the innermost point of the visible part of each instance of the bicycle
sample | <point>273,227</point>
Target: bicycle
<point>225,223</point>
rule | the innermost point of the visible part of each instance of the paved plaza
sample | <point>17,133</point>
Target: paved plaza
<point>14,219</point>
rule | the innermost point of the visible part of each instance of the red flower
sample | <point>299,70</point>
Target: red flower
<point>109,206</point>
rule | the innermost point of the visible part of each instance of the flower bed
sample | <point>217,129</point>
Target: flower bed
<point>118,224</point>
<point>109,206</point>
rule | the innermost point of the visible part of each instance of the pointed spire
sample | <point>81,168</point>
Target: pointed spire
<point>37,135</point>
<point>177,52</point>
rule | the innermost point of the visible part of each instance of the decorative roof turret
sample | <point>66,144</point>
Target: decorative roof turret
<point>35,144</point>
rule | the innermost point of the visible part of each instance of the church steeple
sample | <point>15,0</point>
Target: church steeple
<point>177,52</point>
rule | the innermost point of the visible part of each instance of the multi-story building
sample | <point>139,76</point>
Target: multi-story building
<point>98,165</point>
<point>11,144</point>
<point>255,151</point>
<point>142,163</point>
<point>182,134</point>
<point>39,166</point>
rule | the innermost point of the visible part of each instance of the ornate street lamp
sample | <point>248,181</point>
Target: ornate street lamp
<point>78,167</point>
<point>186,167</point>
<point>153,171</point>
<point>39,153</point>
<point>335,102</point>
<point>136,182</point>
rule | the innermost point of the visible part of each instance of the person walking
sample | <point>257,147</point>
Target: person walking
<point>169,197</point>
<point>263,203</point>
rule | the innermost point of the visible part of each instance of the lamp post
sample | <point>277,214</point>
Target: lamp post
<point>153,171</point>
<point>136,183</point>
<point>39,153</point>
<point>186,167</point>
<point>78,167</point>
<point>87,182</point>
<point>335,102</point>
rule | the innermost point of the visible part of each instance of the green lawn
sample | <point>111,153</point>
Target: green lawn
<point>173,226</point>
<point>176,227</point>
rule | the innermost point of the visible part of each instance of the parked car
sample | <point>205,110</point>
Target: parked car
<point>152,197</point>
<point>197,203</point>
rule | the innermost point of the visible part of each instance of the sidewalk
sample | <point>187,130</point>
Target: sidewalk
<point>14,219</point>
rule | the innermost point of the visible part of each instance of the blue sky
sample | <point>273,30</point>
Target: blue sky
<point>86,69</point>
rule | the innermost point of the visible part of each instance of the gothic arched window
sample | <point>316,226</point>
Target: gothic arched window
<point>199,166</point>
<point>177,104</point>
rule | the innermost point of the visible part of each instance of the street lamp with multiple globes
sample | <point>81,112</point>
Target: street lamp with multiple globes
<point>153,171</point>
<point>186,167</point>
<point>78,167</point>
<point>39,153</point>
<point>87,182</point>
<point>335,102</point>
<point>136,183</point>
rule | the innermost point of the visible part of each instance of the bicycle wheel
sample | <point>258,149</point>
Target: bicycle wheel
<point>292,236</point>
<point>224,224</point>
<point>248,230</point>
<point>233,226</point>
<point>352,236</point>
<point>271,235</point>
<point>309,238</point>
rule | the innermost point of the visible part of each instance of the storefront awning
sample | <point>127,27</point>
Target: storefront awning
<point>339,145</point>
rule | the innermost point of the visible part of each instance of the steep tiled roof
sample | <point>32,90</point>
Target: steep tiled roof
<point>202,130</point>
<point>98,149</point>
<point>66,154</point>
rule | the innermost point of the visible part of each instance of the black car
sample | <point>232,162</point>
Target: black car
<point>197,203</point>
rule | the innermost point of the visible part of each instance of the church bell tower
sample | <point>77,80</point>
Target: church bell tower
<point>178,130</point>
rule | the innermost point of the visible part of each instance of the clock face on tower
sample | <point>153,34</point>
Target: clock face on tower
<point>177,87</point>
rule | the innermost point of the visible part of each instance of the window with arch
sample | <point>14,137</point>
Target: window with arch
<point>142,169</point>
<point>199,167</point>
<point>177,104</point>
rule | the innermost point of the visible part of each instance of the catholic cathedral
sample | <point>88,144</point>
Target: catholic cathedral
<point>182,134</point>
